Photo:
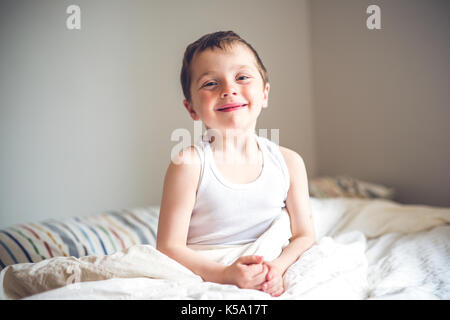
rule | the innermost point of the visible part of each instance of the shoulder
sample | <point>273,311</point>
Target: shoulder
<point>291,157</point>
<point>187,157</point>
<point>294,163</point>
<point>184,166</point>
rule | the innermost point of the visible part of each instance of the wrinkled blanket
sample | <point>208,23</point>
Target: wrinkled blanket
<point>25,279</point>
<point>366,249</point>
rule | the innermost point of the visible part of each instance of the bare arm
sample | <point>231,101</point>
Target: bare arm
<point>299,208</point>
<point>178,200</point>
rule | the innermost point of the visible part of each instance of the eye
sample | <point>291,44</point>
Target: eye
<point>243,78</point>
<point>209,84</point>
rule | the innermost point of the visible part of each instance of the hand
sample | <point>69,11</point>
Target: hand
<point>247,272</point>
<point>274,284</point>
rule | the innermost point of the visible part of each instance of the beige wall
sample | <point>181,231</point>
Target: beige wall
<point>86,116</point>
<point>381,98</point>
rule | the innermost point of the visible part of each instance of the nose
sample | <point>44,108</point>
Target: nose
<point>228,90</point>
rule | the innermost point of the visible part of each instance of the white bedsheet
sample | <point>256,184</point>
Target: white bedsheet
<point>366,249</point>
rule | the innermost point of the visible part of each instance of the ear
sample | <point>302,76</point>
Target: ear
<point>266,95</point>
<point>191,110</point>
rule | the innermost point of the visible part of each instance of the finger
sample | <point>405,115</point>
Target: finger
<point>251,259</point>
<point>279,292</point>
<point>257,281</point>
<point>274,289</point>
<point>277,288</point>
<point>259,270</point>
<point>269,284</point>
<point>267,287</point>
<point>274,284</point>
<point>269,275</point>
<point>260,278</point>
<point>255,269</point>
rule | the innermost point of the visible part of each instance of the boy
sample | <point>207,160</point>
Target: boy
<point>210,200</point>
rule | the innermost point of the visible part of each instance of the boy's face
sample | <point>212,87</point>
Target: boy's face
<point>227,79</point>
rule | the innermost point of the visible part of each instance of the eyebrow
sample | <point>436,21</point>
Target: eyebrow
<point>238,67</point>
<point>202,75</point>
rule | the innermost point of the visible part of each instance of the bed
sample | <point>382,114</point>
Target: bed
<point>366,248</point>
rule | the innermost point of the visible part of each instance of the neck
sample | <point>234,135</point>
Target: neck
<point>234,144</point>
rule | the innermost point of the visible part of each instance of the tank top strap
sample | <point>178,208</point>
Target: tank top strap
<point>271,154</point>
<point>200,148</point>
<point>211,167</point>
<point>273,150</point>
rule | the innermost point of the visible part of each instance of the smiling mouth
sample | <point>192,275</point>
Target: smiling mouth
<point>232,107</point>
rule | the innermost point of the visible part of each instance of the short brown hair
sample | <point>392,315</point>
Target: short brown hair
<point>220,40</point>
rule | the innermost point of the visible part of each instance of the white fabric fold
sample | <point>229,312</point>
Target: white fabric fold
<point>366,249</point>
<point>26,279</point>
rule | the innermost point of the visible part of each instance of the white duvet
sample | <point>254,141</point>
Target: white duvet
<point>366,249</point>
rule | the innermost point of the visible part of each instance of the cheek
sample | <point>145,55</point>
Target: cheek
<point>205,96</point>
<point>255,94</point>
<point>201,100</point>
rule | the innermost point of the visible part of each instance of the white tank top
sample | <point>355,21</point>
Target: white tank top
<point>226,213</point>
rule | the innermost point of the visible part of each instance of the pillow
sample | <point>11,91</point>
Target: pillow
<point>348,187</point>
<point>100,234</point>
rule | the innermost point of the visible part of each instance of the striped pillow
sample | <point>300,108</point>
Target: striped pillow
<point>100,234</point>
